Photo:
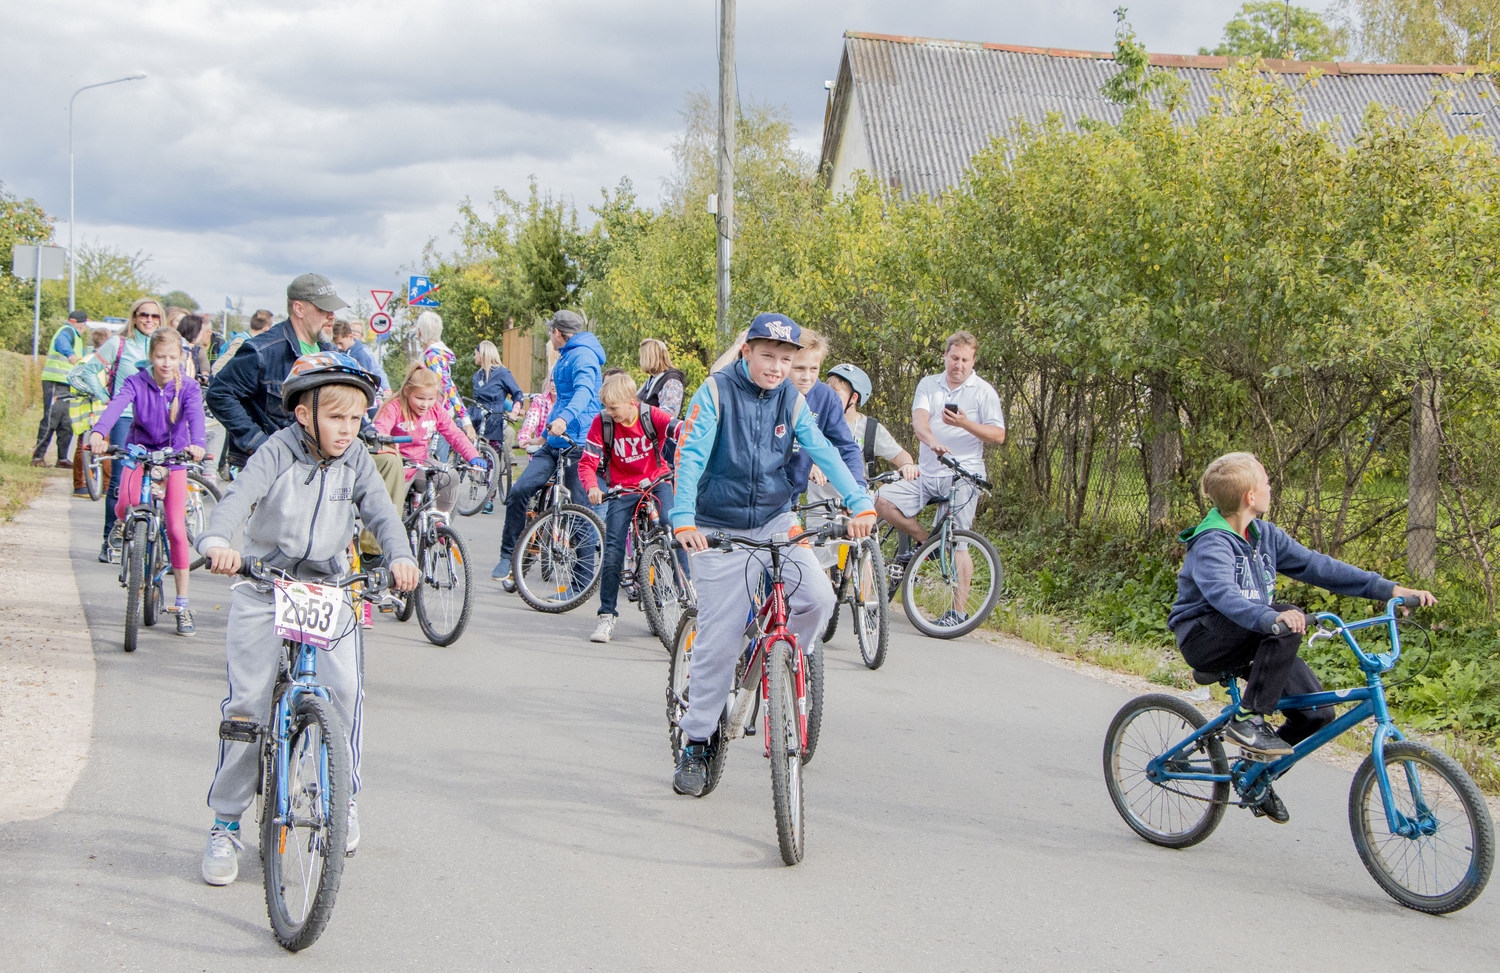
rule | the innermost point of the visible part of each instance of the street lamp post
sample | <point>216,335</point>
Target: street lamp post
<point>72,263</point>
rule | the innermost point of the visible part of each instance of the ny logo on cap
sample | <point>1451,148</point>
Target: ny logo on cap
<point>780,330</point>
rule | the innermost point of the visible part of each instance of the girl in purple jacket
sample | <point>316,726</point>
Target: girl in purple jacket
<point>168,415</point>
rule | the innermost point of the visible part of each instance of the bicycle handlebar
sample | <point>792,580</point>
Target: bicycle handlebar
<point>726,541</point>
<point>953,465</point>
<point>375,580</point>
<point>376,439</point>
<point>1329,625</point>
<point>640,489</point>
<point>155,457</point>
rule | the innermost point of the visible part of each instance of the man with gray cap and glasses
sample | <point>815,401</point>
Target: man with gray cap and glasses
<point>246,394</point>
<point>577,376</point>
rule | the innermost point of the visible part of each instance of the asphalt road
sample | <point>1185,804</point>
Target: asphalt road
<point>518,814</point>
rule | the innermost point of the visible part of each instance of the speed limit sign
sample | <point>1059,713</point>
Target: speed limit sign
<point>380,322</point>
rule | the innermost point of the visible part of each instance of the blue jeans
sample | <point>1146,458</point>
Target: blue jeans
<point>532,479</point>
<point>117,437</point>
<point>617,527</point>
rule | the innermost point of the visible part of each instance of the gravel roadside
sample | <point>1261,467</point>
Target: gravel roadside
<point>46,659</point>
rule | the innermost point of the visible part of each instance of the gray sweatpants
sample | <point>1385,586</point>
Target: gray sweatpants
<point>253,654</point>
<point>724,581</point>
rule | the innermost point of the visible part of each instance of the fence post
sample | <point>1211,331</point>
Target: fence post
<point>1161,453</point>
<point>1422,479</point>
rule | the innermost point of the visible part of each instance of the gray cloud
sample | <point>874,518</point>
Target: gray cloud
<point>277,135</point>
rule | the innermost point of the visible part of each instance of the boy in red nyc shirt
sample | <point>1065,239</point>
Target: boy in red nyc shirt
<point>636,457</point>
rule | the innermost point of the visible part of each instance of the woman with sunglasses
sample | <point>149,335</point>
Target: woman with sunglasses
<point>123,356</point>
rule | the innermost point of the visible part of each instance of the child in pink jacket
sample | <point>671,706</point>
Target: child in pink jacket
<point>414,412</point>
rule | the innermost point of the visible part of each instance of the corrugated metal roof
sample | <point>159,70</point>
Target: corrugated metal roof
<point>929,106</point>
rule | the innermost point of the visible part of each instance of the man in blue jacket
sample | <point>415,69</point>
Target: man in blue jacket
<point>1226,610</point>
<point>577,377</point>
<point>246,394</point>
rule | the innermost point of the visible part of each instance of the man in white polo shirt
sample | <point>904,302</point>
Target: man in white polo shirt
<point>955,413</point>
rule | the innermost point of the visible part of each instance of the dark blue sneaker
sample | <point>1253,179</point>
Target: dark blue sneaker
<point>692,770</point>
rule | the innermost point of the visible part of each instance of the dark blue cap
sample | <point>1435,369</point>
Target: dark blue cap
<point>775,327</point>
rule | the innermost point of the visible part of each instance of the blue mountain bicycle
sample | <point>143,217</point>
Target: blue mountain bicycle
<point>1420,824</point>
<point>305,760</point>
<point>145,556</point>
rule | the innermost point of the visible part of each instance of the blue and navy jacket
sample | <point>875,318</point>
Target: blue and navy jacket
<point>246,395</point>
<point>829,412</point>
<point>577,376</point>
<point>496,391</point>
<point>734,451</point>
<point>1235,575</point>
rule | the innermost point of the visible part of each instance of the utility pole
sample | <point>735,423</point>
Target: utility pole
<point>724,210</point>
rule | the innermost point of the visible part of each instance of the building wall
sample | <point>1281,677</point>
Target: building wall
<point>854,149</point>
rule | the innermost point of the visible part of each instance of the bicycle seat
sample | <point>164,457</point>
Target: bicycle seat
<point>1207,677</point>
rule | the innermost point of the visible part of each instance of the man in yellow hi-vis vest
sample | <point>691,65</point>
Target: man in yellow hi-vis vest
<point>65,351</point>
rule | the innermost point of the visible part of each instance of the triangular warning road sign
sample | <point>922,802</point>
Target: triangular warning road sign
<point>382,298</point>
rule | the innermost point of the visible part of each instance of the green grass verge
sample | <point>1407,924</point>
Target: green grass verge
<point>20,412</point>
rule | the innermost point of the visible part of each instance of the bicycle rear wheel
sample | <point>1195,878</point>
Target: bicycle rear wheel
<point>660,598</point>
<point>303,852</point>
<point>1445,861</point>
<point>135,588</point>
<point>477,487</point>
<point>840,594</point>
<point>869,604</point>
<point>813,680</point>
<point>677,702</point>
<point>445,594</point>
<point>559,557</point>
<point>1173,813</point>
<point>151,603</point>
<point>784,742</point>
<point>202,496</point>
<point>937,600</point>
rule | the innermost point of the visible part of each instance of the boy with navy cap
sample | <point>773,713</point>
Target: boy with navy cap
<point>736,442</point>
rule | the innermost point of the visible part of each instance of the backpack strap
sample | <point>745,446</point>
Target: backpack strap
<point>114,370</point>
<point>869,445</point>
<point>607,433</point>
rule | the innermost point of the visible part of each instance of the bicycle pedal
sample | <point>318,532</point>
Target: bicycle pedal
<point>240,731</point>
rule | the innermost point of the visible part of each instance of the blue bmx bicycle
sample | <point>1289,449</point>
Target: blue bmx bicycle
<point>304,782</point>
<point>1420,824</point>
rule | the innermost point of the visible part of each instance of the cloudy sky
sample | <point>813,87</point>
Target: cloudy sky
<point>278,136</point>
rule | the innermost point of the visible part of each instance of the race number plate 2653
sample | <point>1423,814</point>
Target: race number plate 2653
<point>311,613</point>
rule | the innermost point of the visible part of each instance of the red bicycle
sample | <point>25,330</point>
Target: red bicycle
<point>773,668</point>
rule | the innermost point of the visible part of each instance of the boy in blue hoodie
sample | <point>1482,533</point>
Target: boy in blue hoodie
<point>1226,606</point>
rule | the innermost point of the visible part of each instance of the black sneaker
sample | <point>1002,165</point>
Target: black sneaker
<point>692,770</point>
<point>1252,734</point>
<point>185,622</point>
<point>1271,807</point>
<point>104,553</point>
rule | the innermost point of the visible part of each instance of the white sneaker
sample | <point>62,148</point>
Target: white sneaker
<point>351,837</point>
<point>221,859</point>
<point>605,629</point>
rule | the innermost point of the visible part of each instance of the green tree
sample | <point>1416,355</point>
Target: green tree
<point>1268,29</point>
<point>110,280</point>
<point>176,298</point>
<point>23,221</point>
<point>1424,31</point>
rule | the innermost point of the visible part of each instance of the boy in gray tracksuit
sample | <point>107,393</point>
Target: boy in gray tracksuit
<point>296,498</point>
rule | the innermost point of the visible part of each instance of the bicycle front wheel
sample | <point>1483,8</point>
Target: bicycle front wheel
<point>869,604</point>
<point>950,588</point>
<point>477,487</point>
<point>202,496</point>
<point>1172,813</point>
<point>93,475</point>
<point>445,594</point>
<point>660,596</point>
<point>135,588</point>
<point>1442,859</point>
<point>784,742</point>
<point>558,558</point>
<point>302,850</point>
